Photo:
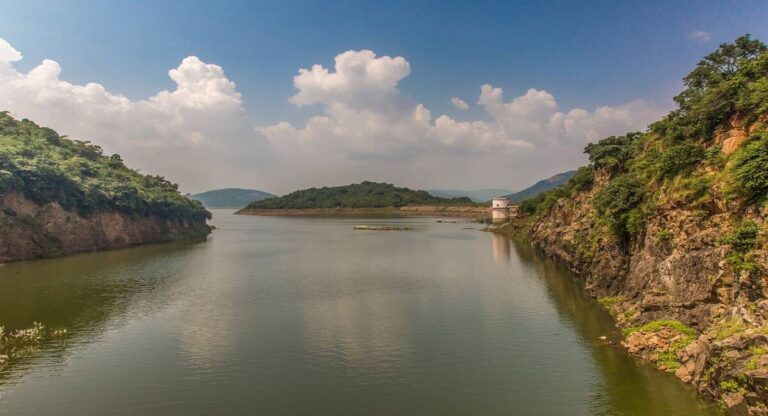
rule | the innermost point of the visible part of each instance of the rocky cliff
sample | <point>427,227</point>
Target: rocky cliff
<point>668,229</point>
<point>29,230</point>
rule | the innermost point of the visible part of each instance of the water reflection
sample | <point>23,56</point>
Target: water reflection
<point>368,335</point>
<point>307,316</point>
<point>502,248</point>
<point>84,294</point>
<point>626,383</point>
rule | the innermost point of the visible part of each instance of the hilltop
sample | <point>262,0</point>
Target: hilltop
<point>668,227</point>
<point>59,195</point>
<point>230,197</point>
<point>361,195</point>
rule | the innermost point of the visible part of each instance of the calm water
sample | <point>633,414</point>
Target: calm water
<point>304,316</point>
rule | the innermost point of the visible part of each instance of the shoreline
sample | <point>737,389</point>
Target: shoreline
<point>457,211</point>
<point>719,363</point>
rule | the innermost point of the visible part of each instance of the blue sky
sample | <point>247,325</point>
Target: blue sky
<point>587,54</point>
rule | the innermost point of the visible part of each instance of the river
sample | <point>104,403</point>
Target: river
<point>306,316</point>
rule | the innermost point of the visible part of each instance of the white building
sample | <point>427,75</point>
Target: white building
<point>500,209</point>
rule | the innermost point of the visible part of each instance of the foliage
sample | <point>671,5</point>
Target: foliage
<point>729,81</point>
<point>729,386</point>
<point>612,152</point>
<point>750,169</point>
<point>680,158</point>
<point>725,329</point>
<point>618,204</point>
<point>47,167</point>
<point>361,195</point>
<point>742,240</point>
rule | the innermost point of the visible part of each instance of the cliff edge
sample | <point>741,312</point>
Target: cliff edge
<point>61,196</point>
<point>668,228</point>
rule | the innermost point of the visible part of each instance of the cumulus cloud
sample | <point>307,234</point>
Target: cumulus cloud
<point>184,133</point>
<point>366,115</point>
<point>459,103</point>
<point>370,129</point>
<point>699,36</point>
<point>366,128</point>
<point>7,53</point>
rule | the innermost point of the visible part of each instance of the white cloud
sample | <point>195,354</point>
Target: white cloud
<point>198,133</point>
<point>370,130</point>
<point>459,103</point>
<point>699,36</point>
<point>7,53</point>
<point>366,116</point>
<point>185,133</point>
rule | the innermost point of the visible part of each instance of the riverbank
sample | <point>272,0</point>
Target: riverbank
<point>458,211</point>
<point>677,297</point>
<point>30,231</point>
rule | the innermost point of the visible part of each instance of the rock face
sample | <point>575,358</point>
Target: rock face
<point>677,270</point>
<point>29,231</point>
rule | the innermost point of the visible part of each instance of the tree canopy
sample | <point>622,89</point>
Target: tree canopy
<point>47,167</point>
<point>360,195</point>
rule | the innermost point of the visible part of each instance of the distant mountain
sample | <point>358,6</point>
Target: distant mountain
<point>541,186</point>
<point>230,197</point>
<point>359,195</point>
<point>481,195</point>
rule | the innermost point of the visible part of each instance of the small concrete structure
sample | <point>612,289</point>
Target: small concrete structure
<point>500,210</point>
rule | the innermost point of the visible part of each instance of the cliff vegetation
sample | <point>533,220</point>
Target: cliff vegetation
<point>669,228</point>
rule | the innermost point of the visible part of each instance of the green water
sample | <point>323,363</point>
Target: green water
<point>305,316</point>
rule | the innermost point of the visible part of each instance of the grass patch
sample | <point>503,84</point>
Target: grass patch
<point>609,301</point>
<point>729,386</point>
<point>656,326</point>
<point>725,329</point>
<point>668,360</point>
<point>758,350</point>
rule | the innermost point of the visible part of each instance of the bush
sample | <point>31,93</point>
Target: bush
<point>750,169</point>
<point>618,204</point>
<point>681,158</point>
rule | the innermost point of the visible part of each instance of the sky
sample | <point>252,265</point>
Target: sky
<point>281,95</point>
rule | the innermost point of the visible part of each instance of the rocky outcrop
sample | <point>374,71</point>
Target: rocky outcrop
<point>29,230</point>
<point>679,272</point>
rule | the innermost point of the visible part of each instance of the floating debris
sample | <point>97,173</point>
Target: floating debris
<point>380,228</point>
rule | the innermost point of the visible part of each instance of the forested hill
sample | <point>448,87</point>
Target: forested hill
<point>361,195</point>
<point>46,167</point>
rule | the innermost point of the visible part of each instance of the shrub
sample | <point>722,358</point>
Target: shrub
<point>750,169</point>
<point>681,158</point>
<point>617,203</point>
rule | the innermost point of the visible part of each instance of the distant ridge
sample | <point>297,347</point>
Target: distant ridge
<point>230,197</point>
<point>542,186</point>
<point>480,195</point>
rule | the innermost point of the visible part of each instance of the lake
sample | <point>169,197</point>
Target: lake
<point>304,316</point>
